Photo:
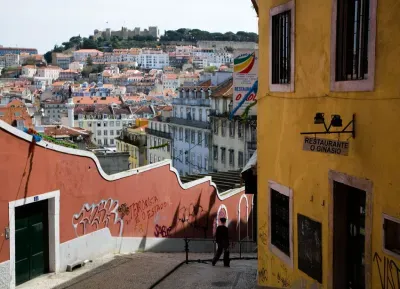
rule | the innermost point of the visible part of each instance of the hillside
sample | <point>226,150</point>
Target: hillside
<point>180,35</point>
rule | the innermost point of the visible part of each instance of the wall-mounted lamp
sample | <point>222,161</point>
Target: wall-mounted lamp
<point>336,121</point>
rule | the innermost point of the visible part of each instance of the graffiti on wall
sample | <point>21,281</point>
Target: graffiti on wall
<point>162,231</point>
<point>192,217</point>
<point>97,216</point>
<point>143,210</point>
<point>389,272</point>
<point>262,275</point>
<point>263,234</point>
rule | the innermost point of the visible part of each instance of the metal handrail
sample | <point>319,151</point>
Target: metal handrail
<point>188,240</point>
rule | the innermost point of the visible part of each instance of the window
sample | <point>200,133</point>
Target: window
<point>223,155</point>
<point>206,136</point>
<point>89,123</point>
<point>215,153</point>
<point>99,124</point>
<point>240,130</point>
<point>112,141</point>
<point>181,155</point>
<point>240,159</point>
<point>105,124</point>
<point>199,138</point>
<point>232,129</point>
<point>99,132</point>
<point>391,227</point>
<point>105,132</point>
<point>280,226</point>
<point>193,136</point>
<point>223,128</point>
<point>111,123</point>
<point>111,132</point>
<point>118,123</point>
<point>353,45</point>
<point>99,141</point>
<point>187,135</point>
<point>180,133</point>
<point>231,157</point>
<point>215,124</point>
<point>200,114</point>
<point>105,141</point>
<point>206,163</point>
<point>282,48</point>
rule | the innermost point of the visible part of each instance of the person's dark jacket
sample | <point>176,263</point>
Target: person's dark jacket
<point>222,236</point>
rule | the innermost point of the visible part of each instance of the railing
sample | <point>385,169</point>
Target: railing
<point>192,101</point>
<point>158,133</point>
<point>189,122</point>
<point>231,244</point>
<point>187,260</point>
<point>252,145</point>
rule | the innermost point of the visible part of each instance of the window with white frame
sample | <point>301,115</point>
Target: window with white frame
<point>280,222</point>
<point>391,235</point>
<point>282,23</point>
<point>353,45</point>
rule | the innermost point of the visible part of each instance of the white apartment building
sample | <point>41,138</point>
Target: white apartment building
<point>75,66</point>
<point>82,54</point>
<point>191,130</point>
<point>105,121</point>
<point>153,59</point>
<point>170,81</point>
<point>223,57</point>
<point>158,135</point>
<point>48,72</point>
<point>200,62</point>
<point>54,109</point>
<point>9,60</point>
<point>28,71</point>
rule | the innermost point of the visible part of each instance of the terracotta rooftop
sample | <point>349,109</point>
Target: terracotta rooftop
<point>225,89</point>
<point>96,100</point>
<point>57,130</point>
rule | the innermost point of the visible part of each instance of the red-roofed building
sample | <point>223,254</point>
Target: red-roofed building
<point>16,114</point>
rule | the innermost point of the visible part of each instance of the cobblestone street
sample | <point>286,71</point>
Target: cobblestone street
<point>142,270</point>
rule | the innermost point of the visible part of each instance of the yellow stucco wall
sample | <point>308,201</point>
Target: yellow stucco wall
<point>374,153</point>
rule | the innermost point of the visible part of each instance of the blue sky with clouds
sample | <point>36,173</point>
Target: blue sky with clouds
<point>42,23</point>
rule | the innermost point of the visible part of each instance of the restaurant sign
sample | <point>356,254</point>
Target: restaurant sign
<point>327,146</point>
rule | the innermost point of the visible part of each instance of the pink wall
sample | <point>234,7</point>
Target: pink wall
<point>151,203</point>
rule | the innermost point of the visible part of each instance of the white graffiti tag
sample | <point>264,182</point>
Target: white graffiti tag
<point>97,216</point>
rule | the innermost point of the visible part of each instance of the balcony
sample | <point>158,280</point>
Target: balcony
<point>191,101</point>
<point>192,123</point>
<point>158,133</point>
<point>252,145</point>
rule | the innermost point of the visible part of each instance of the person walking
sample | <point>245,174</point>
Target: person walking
<point>222,239</point>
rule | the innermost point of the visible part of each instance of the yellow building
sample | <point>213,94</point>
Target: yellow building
<point>134,140</point>
<point>329,203</point>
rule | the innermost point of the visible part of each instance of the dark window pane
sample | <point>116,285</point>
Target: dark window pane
<point>280,222</point>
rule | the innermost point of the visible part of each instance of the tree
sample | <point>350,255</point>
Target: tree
<point>210,69</point>
<point>30,61</point>
<point>48,56</point>
<point>89,61</point>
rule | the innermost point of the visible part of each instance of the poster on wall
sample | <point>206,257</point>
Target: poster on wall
<point>245,75</point>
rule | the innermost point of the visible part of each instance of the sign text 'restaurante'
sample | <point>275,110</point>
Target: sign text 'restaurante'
<point>326,146</point>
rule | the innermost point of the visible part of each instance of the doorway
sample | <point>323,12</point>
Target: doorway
<point>349,237</point>
<point>350,222</point>
<point>31,241</point>
<point>39,251</point>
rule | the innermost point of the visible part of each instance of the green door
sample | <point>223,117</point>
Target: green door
<point>31,241</point>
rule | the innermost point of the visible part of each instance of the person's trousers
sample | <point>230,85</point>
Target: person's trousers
<point>218,254</point>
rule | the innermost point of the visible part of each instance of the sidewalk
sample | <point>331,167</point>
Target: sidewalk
<point>141,270</point>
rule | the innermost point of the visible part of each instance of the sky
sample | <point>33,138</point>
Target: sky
<point>43,23</point>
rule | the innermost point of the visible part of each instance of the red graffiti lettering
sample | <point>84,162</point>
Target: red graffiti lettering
<point>162,231</point>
